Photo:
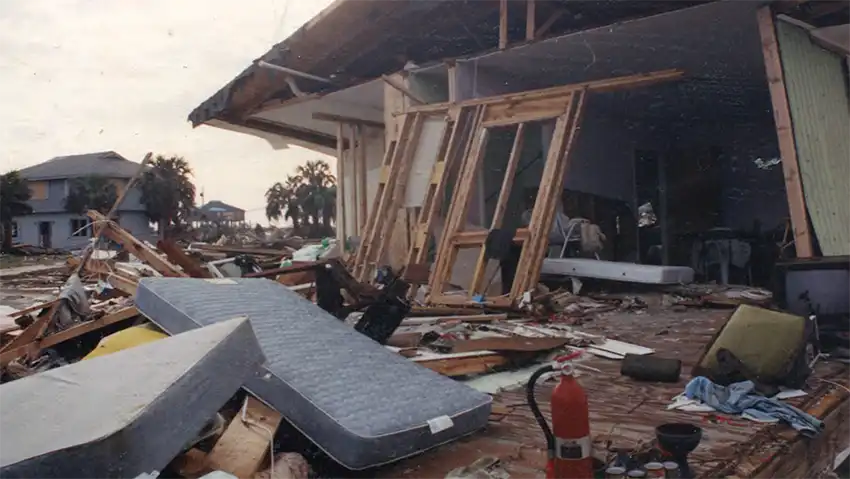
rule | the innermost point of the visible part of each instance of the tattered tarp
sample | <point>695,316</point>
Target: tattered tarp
<point>126,413</point>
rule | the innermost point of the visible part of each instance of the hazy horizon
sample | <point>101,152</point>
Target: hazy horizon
<point>90,75</point>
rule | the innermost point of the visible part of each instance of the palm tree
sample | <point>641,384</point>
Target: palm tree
<point>168,192</point>
<point>317,194</point>
<point>90,193</point>
<point>282,201</point>
<point>14,194</point>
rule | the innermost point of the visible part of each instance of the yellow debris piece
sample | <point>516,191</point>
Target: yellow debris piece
<point>126,339</point>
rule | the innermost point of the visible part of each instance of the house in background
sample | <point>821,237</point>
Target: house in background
<point>51,226</point>
<point>218,212</point>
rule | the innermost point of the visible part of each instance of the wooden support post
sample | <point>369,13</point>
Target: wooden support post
<point>403,89</point>
<point>573,117</point>
<point>503,24</point>
<point>459,206</point>
<point>353,153</point>
<point>530,19</point>
<point>243,448</point>
<point>785,133</point>
<point>451,69</point>
<point>340,187</point>
<point>360,163</point>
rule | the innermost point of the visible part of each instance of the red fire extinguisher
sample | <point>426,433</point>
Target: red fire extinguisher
<point>568,441</point>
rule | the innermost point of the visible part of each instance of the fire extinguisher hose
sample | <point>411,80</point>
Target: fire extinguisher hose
<point>532,403</point>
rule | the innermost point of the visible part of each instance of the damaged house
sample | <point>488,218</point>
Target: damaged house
<point>485,146</point>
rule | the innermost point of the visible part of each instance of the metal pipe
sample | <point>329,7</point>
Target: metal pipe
<point>294,87</point>
<point>265,64</point>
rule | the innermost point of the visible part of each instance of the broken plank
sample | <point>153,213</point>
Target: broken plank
<point>176,255</point>
<point>31,309</point>
<point>463,366</point>
<point>404,90</point>
<point>19,349</point>
<point>508,344</point>
<point>241,250</point>
<point>123,284</point>
<point>463,318</point>
<point>136,247</point>
<point>100,227</point>
<point>243,447</point>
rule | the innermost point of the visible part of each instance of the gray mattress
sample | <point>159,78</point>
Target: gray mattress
<point>125,413</point>
<point>360,403</point>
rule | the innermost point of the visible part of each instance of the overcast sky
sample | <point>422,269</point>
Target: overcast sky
<point>81,76</point>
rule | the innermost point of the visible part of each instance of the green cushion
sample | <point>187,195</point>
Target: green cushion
<point>766,341</point>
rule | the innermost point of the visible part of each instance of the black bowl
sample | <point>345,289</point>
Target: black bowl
<point>679,439</point>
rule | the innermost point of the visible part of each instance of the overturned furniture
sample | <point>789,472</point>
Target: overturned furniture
<point>450,140</point>
<point>127,413</point>
<point>359,402</point>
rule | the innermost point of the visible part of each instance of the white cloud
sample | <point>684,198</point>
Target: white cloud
<point>89,75</point>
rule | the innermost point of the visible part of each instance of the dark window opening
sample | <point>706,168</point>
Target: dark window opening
<point>80,227</point>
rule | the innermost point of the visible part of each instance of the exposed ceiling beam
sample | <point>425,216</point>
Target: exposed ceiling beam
<point>288,131</point>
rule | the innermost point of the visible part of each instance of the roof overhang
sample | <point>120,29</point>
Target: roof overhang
<point>381,37</point>
<point>354,41</point>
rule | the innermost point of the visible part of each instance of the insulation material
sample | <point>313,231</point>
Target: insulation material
<point>817,97</point>
<point>423,161</point>
<point>126,413</point>
<point>360,403</point>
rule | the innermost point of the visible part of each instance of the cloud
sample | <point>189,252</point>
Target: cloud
<point>90,75</point>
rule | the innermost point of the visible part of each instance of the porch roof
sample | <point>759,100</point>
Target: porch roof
<point>353,41</point>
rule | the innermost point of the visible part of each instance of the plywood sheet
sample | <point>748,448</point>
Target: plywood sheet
<point>817,97</point>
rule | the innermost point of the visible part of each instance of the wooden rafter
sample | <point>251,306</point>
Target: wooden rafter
<point>503,24</point>
<point>403,89</point>
<point>596,86</point>
<point>547,25</point>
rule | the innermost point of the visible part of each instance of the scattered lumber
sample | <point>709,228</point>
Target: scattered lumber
<point>136,247</point>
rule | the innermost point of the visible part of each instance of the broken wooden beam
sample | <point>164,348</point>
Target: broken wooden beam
<point>21,348</point>
<point>97,227</point>
<point>176,255</point>
<point>136,247</point>
<point>403,89</point>
<point>464,365</point>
